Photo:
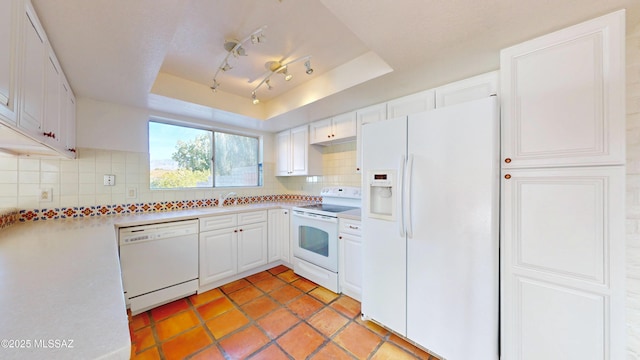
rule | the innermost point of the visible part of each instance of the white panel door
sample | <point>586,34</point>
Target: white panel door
<point>563,97</point>
<point>562,263</point>
<point>452,242</point>
<point>70,124</point>
<point>252,246</point>
<point>299,146</point>
<point>363,116</point>
<point>218,255</point>
<point>474,88</point>
<point>351,265</point>
<point>53,101</point>
<point>344,126</point>
<point>320,131</point>
<point>411,104</point>
<point>8,63</point>
<point>283,156</point>
<point>32,75</point>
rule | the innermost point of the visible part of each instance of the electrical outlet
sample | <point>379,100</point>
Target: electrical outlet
<point>132,192</point>
<point>109,180</point>
<point>46,195</point>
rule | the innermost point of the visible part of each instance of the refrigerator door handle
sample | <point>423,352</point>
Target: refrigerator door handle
<point>407,197</point>
<point>401,195</point>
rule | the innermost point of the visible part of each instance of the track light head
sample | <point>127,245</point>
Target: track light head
<point>286,74</point>
<point>226,67</point>
<point>307,64</point>
<point>215,85</point>
<point>254,100</point>
<point>268,82</point>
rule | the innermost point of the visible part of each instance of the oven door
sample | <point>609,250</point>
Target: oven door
<point>316,239</point>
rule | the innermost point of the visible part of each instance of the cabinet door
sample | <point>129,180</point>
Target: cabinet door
<point>279,235</point>
<point>411,104</point>
<point>285,236</point>
<point>218,255</point>
<point>53,102</point>
<point>562,263</point>
<point>320,131</point>
<point>252,246</point>
<point>33,62</point>
<point>299,146</point>
<point>363,116</point>
<point>344,126</point>
<point>563,97</point>
<point>70,124</point>
<point>283,147</point>
<point>351,265</point>
<point>8,40</point>
<point>474,88</point>
<point>273,240</point>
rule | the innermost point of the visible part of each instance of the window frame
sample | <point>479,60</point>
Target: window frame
<point>213,131</point>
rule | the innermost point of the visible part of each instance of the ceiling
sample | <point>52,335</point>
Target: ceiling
<point>163,54</point>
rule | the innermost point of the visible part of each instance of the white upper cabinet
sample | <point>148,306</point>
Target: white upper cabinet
<point>474,88</point>
<point>53,102</point>
<point>9,22</point>
<point>33,70</point>
<point>563,97</point>
<point>36,101</point>
<point>339,128</point>
<point>294,154</point>
<point>411,104</point>
<point>367,115</point>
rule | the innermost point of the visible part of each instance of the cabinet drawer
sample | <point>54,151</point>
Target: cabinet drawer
<point>351,227</point>
<point>252,217</point>
<point>218,222</point>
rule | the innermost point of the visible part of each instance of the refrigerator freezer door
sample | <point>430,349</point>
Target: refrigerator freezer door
<point>452,258</point>
<point>384,296</point>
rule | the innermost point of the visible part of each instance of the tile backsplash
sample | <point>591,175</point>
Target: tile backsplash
<point>79,183</point>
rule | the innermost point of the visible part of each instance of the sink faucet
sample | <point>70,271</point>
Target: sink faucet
<point>225,197</point>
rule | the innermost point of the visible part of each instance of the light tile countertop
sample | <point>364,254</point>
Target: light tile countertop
<point>60,286</point>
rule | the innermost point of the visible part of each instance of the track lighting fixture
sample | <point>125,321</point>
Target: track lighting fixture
<point>236,49</point>
<point>276,67</point>
<point>307,64</point>
<point>255,100</point>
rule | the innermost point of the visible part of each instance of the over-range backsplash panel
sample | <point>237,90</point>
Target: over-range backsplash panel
<point>130,208</point>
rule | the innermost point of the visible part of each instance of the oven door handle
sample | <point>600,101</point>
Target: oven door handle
<point>318,217</point>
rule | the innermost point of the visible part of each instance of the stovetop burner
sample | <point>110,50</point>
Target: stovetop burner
<point>328,208</point>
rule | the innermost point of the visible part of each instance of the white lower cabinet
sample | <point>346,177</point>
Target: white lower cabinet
<point>218,255</point>
<point>350,258</point>
<point>279,235</point>
<point>231,244</point>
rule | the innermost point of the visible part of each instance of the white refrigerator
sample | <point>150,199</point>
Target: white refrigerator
<point>430,228</point>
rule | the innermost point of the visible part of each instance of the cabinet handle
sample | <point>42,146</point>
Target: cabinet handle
<point>286,213</point>
<point>333,135</point>
<point>353,227</point>
<point>507,176</point>
<point>328,136</point>
<point>236,230</point>
<point>357,169</point>
<point>72,150</point>
<point>49,134</point>
<point>507,160</point>
<point>339,237</point>
<point>240,230</point>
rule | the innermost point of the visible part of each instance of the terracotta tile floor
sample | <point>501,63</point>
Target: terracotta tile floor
<point>271,315</point>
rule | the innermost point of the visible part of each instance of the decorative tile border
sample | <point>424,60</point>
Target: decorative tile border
<point>161,206</point>
<point>8,218</point>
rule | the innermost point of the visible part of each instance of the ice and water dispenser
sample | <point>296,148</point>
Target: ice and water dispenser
<point>382,194</point>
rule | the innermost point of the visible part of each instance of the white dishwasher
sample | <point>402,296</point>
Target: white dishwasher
<point>159,263</point>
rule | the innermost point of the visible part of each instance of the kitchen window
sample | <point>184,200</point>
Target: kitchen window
<point>189,157</point>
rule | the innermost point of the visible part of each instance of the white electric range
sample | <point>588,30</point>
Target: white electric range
<point>315,242</point>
